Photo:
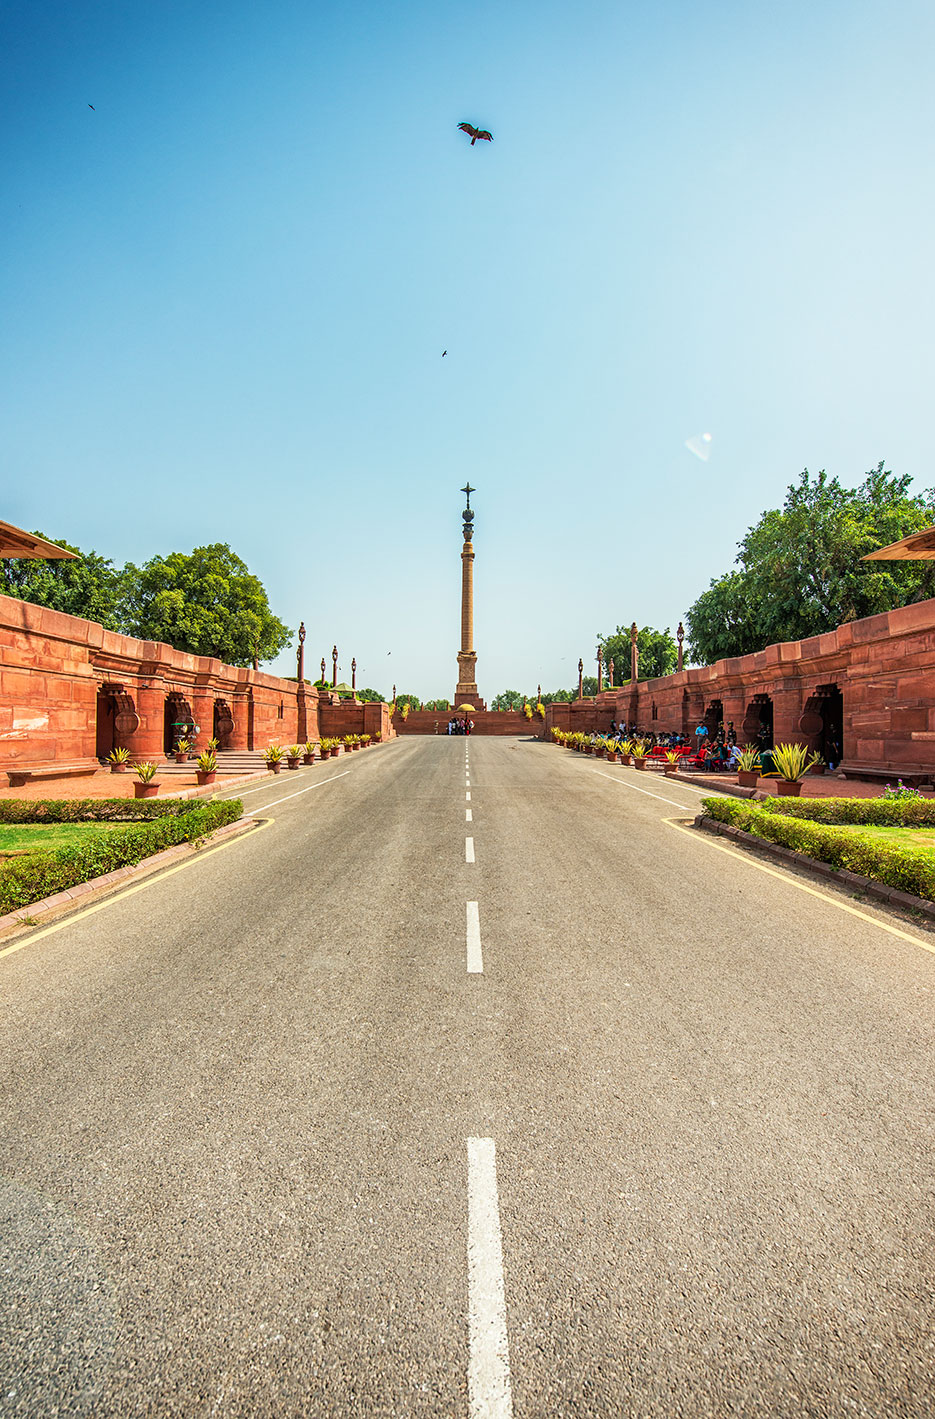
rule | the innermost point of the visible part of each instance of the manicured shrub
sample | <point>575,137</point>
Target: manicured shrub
<point>874,812</point>
<point>891,863</point>
<point>28,879</point>
<point>94,810</point>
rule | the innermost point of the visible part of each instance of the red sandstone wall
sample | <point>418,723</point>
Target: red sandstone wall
<point>346,717</point>
<point>883,665</point>
<point>51,667</point>
<point>485,722</point>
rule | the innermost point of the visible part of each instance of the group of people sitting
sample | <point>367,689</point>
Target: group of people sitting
<point>460,726</point>
<point>721,752</point>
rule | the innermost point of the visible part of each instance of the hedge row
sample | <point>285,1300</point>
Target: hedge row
<point>894,865</point>
<point>28,879</point>
<point>874,812</point>
<point>93,810</point>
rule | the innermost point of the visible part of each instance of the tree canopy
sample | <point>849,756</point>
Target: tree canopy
<point>91,587</point>
<point>206,602</point>
<point>800,565</point>
<point>658,653</point>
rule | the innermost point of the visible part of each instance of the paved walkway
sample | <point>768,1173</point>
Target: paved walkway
<point>472,1083</point>
<point>107,785</point>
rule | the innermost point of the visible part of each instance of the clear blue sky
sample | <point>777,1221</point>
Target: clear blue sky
<point>225,292</point>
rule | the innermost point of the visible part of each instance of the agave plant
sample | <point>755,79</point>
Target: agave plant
<point>748,760</point>
<point>118,756</point>
<point>792,761</point>
<point>673,756</point>
<point>273,754</point>
<point>146,772</point>
<point>208,761</point>
<point>638,748</point>
<point>294,751</point>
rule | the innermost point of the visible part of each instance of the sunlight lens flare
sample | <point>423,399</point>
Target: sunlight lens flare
<point>700,446</point>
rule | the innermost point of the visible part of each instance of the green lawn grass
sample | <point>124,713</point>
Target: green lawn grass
<point>43,837</point>
<point>919,840</point>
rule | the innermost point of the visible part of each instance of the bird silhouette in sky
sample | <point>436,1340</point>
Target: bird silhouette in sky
<point>444,353</point>
<point>90,105</point>
<point>476,133</point>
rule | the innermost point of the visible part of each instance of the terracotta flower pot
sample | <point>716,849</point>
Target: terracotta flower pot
<point>589,748</point>
<point>181,758</point>
<point>334,753</point>
<point>292,763</point>
<point>599,752</point>
<point>119,768</point>
<point>817,769</point>
<point>626,758</point>
<point>273,768</point>
<point>671,769</point>
<point>145,790</point>
<point>206,775</point>
<point>789,787</point>
<point>747,778</point>
<point>308,758</point>
<point>611,756</point>
<point>640,763</point>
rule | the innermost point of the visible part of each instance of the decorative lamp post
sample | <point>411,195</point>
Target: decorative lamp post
<point>580,679</point>
<point>300,655</point>
<point>600,671</point>
<point>322,669</point>
<point>354,676</point>
<point>610,671</point>
<point>680,636</point>
<point>256,653</point>
<point>538,694</point>
<point>634,657</point>
<point>334,664</point>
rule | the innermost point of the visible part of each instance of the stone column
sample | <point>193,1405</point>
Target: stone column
<point>680,636</point>
<point>466,691</point>
<point>634,657</point>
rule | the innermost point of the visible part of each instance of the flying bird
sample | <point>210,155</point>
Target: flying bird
<point>90,105</point>
<point>444,353</point>
<point>476,133</point>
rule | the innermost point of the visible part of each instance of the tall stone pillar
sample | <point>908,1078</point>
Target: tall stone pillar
<point>466,692</point>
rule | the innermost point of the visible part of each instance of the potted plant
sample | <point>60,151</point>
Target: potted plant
<point>308,752</point>
<point>639,754</point>
<point>611,750</point>
<point>673,758</point>
<point>213,746</point>
<point>293,755</point>
<point>207,770</point>
<point>626,751</point>
<point>818,765</point>
<point>748,766</point>
<point>791,761</point>
<point>600,747</point>
<point>273,757</point>
<point>378,738</point>
<point>364,741</point>
<point>145,788</point>
<point>117,758</point>
<point>181,751</point>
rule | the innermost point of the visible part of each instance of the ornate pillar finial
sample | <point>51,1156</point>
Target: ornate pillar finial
<point>580,679</point>
<point>300,655</point>
<point>354,673</point>
<point>538,694</point>
<point>323,669</point>
<point>610,671</point>
<point>680,636</point>
<point>334,665</point>
<point>394,695</point>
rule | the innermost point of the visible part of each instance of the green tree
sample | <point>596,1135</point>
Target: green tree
<point>205,602</point>
<point>369,696</point>
<point>508,700</point>
<point>801,571</point>
<point>412,701</point>
<point>91,587</point>
<point>559,696</point>
<point>437,705</point>
<point>588,687</point>
<point>657,651</point>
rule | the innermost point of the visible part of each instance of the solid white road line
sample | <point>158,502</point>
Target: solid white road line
<point>263,809</point>
<point>489,1391</point>
<point>468,815</point>
<point>475,960</point>
<point>469,849</point>
<point>674,801</point>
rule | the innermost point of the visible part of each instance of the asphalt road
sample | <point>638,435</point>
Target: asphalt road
<point>273,1143</point>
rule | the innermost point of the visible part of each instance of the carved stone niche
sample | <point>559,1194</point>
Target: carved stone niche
<point>126,719</point>
<point>223,723</point>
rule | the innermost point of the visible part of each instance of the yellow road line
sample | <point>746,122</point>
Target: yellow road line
<point>123,892</point>
<point>701,836</point>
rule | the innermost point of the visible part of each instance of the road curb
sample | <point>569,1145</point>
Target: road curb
<point>890,896</point>
<point>85,892</point>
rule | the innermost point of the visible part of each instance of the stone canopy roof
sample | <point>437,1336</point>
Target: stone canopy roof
<point>14,542</point>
